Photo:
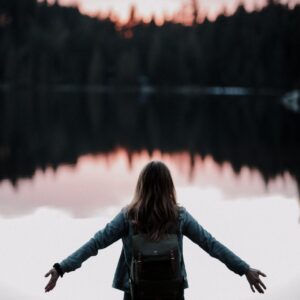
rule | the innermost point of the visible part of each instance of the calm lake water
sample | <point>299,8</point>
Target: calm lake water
<point>69,163</point>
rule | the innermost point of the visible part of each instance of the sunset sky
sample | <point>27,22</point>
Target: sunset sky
<point>161,8</point>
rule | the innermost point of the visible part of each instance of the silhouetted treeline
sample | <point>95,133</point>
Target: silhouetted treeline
<point>40,130</point>
<point>42,44</point>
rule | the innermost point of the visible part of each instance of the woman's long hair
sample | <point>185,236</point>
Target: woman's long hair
<point>154,208</point>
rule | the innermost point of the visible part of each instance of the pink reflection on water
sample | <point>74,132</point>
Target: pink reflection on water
<point>97,182</point>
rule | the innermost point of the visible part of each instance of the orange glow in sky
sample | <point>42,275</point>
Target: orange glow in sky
<point>161,9</point>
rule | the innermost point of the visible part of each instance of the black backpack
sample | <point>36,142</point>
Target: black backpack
<point>155,272</point>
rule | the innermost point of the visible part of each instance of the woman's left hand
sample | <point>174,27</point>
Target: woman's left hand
<point>254,280</point>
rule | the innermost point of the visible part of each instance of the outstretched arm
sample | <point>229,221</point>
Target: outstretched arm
<point>194,231</point>
<point>112,232</point>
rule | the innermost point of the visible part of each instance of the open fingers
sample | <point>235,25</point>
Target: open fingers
<point>47,274</point>
<point>258,287</point>
<point>255,282</point>
<point>262,284</point>
<point>261,273</point>
<point>51,284</point>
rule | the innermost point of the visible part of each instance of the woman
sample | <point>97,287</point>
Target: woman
<point>154,210</point>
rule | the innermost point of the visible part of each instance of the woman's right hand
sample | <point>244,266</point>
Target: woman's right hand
<point>52,282</point>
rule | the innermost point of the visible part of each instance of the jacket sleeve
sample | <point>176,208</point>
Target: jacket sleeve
<point>195,232</point>
<point>112,232</point>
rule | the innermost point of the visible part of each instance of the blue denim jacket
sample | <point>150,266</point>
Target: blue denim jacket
<point>120,228</point>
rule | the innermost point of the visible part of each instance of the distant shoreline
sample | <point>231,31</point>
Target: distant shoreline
<point>149,89</point>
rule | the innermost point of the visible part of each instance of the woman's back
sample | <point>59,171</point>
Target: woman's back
<point>152,219</point>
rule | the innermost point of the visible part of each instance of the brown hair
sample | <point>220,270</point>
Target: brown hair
<point>154,208</point>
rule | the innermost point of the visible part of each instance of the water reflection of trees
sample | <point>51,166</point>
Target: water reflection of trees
<point>39,130</point>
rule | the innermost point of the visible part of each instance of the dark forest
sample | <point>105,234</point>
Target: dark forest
<point>42,44</point>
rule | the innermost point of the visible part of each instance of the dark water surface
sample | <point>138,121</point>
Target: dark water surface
<point>40,130</point>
